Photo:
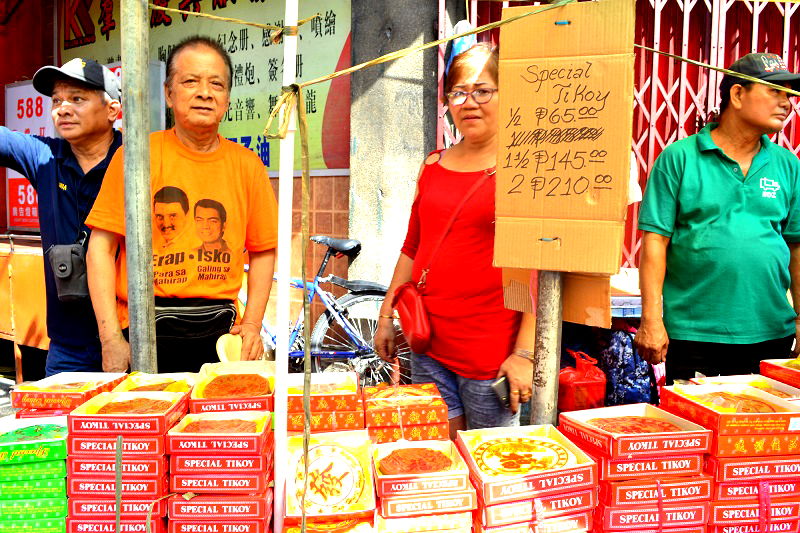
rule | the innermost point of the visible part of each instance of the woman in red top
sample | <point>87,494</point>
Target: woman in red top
<point>475,339</point>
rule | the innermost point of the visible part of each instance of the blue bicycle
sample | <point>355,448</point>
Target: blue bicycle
<point>342,339</point>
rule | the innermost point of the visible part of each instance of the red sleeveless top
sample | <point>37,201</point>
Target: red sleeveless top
<point>472,332</point>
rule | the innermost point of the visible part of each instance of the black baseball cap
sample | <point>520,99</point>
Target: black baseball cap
<point>767,67</point>
<point>87,71</point>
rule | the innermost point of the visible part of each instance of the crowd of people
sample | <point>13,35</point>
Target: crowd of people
<point>720,216</point>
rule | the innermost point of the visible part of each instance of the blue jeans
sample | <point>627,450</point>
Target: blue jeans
<point>68,358</point>
<point>473,398</point>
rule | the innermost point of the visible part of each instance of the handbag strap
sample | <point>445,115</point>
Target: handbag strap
<point>475,186</point>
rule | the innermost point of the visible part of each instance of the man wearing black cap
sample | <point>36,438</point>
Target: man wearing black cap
<point>721,244</point>
<point>67,172</point>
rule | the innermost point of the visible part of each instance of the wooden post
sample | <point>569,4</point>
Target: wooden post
<point>544,397</point>
<point>138,218</point>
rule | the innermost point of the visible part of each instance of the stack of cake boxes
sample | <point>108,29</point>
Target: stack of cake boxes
<point>336,402</point>
<point>33,493</point>
<point>648,481</point>
<point>754,459</point>
<point>226,473</point>
<point>92,456</point>
<point>431,502</point>
<point>59,394</point>
<point>529,479</point>
<point>410,412</point>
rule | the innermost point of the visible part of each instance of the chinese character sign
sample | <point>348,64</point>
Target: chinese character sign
<point>91,29</point>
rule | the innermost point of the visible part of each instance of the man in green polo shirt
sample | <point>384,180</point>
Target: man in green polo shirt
<point>721,244</point>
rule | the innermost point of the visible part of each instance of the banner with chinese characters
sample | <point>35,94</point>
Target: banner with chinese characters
<point>91,28</point>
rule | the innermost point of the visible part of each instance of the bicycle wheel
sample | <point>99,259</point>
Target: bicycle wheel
<point>361,312</point>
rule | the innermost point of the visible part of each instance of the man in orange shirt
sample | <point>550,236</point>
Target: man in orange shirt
<point>195,285</point>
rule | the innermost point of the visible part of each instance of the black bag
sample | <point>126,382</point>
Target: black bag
<point>68,262</point>
<point>193,318</point>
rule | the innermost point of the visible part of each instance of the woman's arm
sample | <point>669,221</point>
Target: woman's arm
<point>384,336</point>
<point>518,366</point>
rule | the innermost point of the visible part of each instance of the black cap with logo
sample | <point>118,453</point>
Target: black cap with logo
<point>767,67</point>
<point>87,71</point>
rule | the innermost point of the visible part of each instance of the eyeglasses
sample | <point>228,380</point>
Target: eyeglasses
<point>481,96</point>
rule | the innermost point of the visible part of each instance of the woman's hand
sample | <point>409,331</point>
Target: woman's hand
<point>384,339</point>
<point>518,370</point>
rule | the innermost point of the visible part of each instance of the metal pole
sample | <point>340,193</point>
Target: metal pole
<point>138,239</point>
<point>544,397</point>
<point>285,184</point>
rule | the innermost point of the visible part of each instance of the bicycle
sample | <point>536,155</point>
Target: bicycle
<point>342,338</point>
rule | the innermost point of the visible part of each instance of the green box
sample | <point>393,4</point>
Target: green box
<point>34,440</point>
<point>45,525</point>
<point>39,488</point>
<point>31,471</point>
<point>33,509</point>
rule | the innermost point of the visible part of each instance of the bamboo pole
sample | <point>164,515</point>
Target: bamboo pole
<point>138,239</point>
<point>544,396</point>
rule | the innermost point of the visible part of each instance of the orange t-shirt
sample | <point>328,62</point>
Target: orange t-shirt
<point>207,209</point>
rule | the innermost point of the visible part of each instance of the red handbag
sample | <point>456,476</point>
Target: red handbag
<point>408,300</point>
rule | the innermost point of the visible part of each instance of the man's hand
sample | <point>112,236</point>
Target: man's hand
<point>519,373</point>
<point>796,348</point>
<point>652,341</point>
<point>252,346</point>
<point>116,354</point>
<point>384,340</point>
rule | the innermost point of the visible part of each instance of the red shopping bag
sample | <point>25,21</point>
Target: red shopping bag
<point>583,387</point>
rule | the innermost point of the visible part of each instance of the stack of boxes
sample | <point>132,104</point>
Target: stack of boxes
<point>529,478</point>
<point>650,464</point>
<point>431,502</point>
<point>335,401</point>
<point>59,394</point>
<point>32,488</point>
<point>755,454</point>
<point>225,461</point>
<point>410,412</point>
<point>95,430</point>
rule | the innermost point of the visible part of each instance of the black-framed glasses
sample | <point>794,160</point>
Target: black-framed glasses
<point>481,96</point>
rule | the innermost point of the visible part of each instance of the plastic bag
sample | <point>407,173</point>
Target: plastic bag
<point>582,387</point>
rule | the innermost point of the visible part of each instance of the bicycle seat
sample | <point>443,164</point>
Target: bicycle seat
<point>348,247</point>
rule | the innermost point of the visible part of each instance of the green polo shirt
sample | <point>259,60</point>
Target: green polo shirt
<point>727,261</point>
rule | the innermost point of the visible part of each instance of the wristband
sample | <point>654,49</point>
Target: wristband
<point>390,317</point>
<point>525,354</point>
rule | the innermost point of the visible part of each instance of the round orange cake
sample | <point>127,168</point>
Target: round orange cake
<point>220,426</point>
<point>139,406</point>
<point>633,424</point>
<point>741,403</point>
<point>414,461</point>
<point>236,386</point>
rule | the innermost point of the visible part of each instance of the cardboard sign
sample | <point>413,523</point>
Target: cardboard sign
<point>565,127</point>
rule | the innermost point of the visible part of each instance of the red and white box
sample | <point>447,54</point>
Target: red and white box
<point>738,512</point>
<point>642,517</point>
<point>85,419</point>
<point>424,524</point>
<point>327,421</point>
<point>691,438</point>
<point>240,373</point>
<point>241,483</point>
<point>108,525</point>
<point>105,467</point>
<point>180,441</point>
<point>748,490</point>
<point>454,479</point>
<point>404,405</point>
<point>537,509</point>
<point>214,506</point>
<point>747,470</point>
<point>330,392</point>
<point>573,523</point>
<point>428,504</point>
<point>688,401</point>
<point>86,507</point>
<point>518,463</point>
<point>381,435</point>
<point>648,468</point>
<point>598,528</point>
<point>771,527</point>
<point>756,445</point>
<point>202,464</point>
<point>768,385</point>
<point>88,486</point>
<point>106,445</point>
<point>66,390</point>
<point>222,525</point>
<point>777,369</point>
<point>646,491</point>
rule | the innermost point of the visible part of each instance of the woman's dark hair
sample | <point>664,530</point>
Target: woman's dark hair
<point>725,87</point>
<point>479,54</point>
<point>192,42</point>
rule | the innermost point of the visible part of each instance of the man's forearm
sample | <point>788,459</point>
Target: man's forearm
<point>259,283</point>
<point>652,270</point>
<point>794,273</point>
<point>102,277</point>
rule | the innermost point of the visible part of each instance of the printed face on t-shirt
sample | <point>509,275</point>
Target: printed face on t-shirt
<point>208,224</point>
<point>170,219</point>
